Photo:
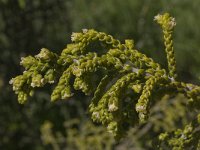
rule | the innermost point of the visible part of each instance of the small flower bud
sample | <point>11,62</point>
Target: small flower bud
<point>37,81</point>
<point>45,55</point>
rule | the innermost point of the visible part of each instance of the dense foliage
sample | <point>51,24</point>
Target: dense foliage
<point>27,26</point>
<point>120,69</point>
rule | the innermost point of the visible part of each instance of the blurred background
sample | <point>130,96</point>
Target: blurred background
<point>27,26</point>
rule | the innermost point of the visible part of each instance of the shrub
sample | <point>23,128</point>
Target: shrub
<point>125,83</point>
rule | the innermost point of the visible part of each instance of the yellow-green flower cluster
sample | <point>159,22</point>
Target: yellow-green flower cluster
<point>183,138</point>
<point>108,108</point>
<point>39,70</point>
<point>123,81</point>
